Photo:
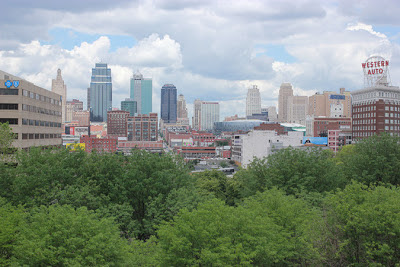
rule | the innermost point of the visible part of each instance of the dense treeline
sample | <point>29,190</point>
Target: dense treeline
<point>304,208</point>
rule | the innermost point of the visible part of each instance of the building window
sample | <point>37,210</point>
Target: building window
<point>4,91</point>
<point>9,106</point>
<point>11,121</point>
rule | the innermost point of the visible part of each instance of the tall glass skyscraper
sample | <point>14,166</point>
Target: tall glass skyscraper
<point>100,93</point>
<point>168,103</point>
<point>142,93</point>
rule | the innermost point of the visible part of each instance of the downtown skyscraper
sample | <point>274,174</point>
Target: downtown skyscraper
<point>169,103</point>
<point>142,93</point>
<point>253,101</point>
<point>58,87</point>
<point>100,93</point>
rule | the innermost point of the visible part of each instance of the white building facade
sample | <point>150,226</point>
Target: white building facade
<point>253,101</point>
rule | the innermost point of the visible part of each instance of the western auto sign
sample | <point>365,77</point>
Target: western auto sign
<point>375,70</point>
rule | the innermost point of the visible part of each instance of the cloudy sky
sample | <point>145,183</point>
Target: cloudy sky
<point>210,50</point>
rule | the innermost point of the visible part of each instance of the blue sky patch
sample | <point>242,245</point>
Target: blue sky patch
<point>68,38</point>
<point>277,52</point>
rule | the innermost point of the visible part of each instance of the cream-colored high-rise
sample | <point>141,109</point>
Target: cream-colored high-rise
<point>253,101</point>
<point>285,91</point>
<point>58,87</point>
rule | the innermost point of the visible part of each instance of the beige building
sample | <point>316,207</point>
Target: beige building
<point>253,101</point>
<point>297,109</point>
<point>196,120</point>
<point>58,87</point>
<point>71,107</point>
<point>182,112</point>
<point>330,104</point>
<point>34,113</point>
<point>82,117</point>
<point>285,91</point>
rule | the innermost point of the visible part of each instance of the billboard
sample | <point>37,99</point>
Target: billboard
<point>320,141</point>
<point>339,97</point>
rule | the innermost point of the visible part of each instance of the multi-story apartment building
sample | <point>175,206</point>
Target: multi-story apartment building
<point>117,123</point>
<point>142,127</point>
<point>33,113</point>
<point>204,115</point>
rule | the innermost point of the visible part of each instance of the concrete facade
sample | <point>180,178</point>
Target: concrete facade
<point>297,109</point>
<point>253,101</point>
<point>34,113</point>
<point>285,91</point>
<point>58,87</point>
<point>330,104</point>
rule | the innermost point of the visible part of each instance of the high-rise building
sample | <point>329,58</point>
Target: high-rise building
<point>181,107</point>
<point>209,114</point>
<point>143,127</point>
<point>142,93</point>
<point>129,105</point>
<point>285,91</point>
<point>168,103</point>
<point>58,87</point>
<point>253,101</point>
<point>33,113</point>
<point>71,107</point>
<point>100,93</point>
<point>297,109</point>
<point>330,104</point>
<point>117,123</point>
<point>196,114</point>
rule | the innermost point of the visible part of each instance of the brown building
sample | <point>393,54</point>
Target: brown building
<point>323,125</point>
<point>143,127</point>
<point>279,129</point>
<point>71,107</point>
<point>82,117</point>
<point>196,152</point>
<point>330,104</point>
<point>99,144</point>
<point>376,110</point>
<point>117,123</point>
<point>32,112</point>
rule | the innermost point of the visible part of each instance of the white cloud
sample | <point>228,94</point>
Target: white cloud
<point>361,26</point>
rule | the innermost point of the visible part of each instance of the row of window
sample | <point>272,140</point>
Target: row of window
<point>364,115</point>
<point>8,106</point>
<point>40,123</point>
<point>364,128</point>
<point>362,109</point>
<point>10,121</point>
<point>364,121</point>
<point>39,136</point>
<point>41,97</point>
<point>46,111</point>
<point>376,94</point>
<point>4,91</point>
<point>392,121</point>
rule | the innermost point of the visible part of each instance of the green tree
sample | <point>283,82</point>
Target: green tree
<point>361,227</point>
<point>64,236</point>
<point>293,170</point>
<point>269,229</point>
<point>6,138</point>
<point>11,220</point>
<point>373,160</point>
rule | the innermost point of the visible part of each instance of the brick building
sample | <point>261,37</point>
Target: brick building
<point>100,145</point>
<point>279,129</point>
<point>117,123</point>
<point>143,127</point>
<point>321,126</point>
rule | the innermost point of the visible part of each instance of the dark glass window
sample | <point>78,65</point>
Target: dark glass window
<point>9,120</point>
<point>24,136</point>
<point>4,91</point>
<point>37,136</point>
<point>9,106</point>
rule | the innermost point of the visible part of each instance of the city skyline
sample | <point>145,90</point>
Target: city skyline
<point>321,48</point>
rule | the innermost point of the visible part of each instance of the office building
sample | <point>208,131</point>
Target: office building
<point>297,109</point>
<point>143,127</point>
<point>271,112</point>
<point>117,123</point>
<point>196,114</point>
<point>253,101</point>
<point>285,91</point>
<point>142,93</point>
<point>71,107</point>
<point>330,104</point>
<point>182,112</point>
<point>33,113</point>
<point>129,105</point>
<point>58,87</point>
<point>169,103</point>
<point>100,93</point>
<point>206,114</point>
<point>376,108</point>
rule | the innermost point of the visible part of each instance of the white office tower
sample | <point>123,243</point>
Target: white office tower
<point>253,101</point>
